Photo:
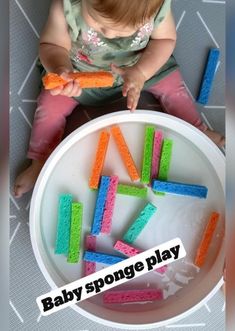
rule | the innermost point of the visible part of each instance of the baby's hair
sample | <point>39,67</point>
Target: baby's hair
<point>127,12</point>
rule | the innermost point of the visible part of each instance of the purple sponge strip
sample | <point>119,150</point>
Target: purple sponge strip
<point>132,296</point>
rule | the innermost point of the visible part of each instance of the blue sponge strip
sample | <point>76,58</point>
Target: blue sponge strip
<point>180,188</point>
<point>100,204</point>
<point>63,224</point>
<point>208,77</point>
<point>138,225</point>
<point>102,258</point>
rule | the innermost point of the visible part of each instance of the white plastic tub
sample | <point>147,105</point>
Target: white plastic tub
<point>195,160</point>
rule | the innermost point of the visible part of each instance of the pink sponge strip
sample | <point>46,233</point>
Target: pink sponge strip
<point>132,296</point>
<point>109,205</point>
<point>157,146</point>
<point>129,251</point>
<point>126,249</point>
<point>90,244</point>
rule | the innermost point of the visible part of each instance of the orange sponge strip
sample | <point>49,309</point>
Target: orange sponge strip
<point>206,240</point>
<point>125,153</point>
<point>99,159</point>
<point>85,79</point>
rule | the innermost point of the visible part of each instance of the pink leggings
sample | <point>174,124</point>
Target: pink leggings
<point>51,113</point>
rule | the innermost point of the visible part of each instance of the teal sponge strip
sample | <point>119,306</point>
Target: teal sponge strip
<point>147,158</point>
<point>138,192</point>
<point>165,161</point>
<point>63,224</point>
<point>138,225</point>
<point>75,232</point>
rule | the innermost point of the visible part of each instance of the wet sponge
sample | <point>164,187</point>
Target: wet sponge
<point>100,205</point>
<point>102,258</point>
<point>125,153</point>
<point>109,205</point>
<point>135,191</point>
<point>132,296</point>
<point>85,79</point>
<point>138,225</point>
<point>129,251</point>
<point>147,158</point>
<point>75,232</point>
<point>90,244</point>
<point>99,159</point>
<point>208,76</point>
<point>206,240</point>
<point>157,147</point>
<point>63,224</point>
<point>180,188</point>
<point>165,159</point>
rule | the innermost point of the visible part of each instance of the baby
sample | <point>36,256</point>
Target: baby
<point>135,39</point>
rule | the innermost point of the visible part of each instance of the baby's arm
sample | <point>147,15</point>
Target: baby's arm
<point>159,48</point>
<point>55,44</point>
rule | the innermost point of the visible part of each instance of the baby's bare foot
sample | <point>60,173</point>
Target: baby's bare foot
<point>26,180</point>
<point>216,137</point>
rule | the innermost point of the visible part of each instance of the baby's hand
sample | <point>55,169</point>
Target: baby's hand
<point>133,83</point>
<point>71,89</point>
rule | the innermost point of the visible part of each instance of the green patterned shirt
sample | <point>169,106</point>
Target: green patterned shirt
<point>91,51</point>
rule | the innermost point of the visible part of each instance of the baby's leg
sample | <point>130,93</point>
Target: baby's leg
<point>175,100</point>
<point>47,131</point>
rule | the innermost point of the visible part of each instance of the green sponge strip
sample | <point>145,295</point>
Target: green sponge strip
<point>138,225</point>
<point>75,232</point>
<point>63,224</point>
<point>138,192</point>
<point>165,159</point>
<point>148,151</point>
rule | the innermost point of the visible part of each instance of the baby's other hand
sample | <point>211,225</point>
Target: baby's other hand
<point>133,83</point>
<point>71,89</point>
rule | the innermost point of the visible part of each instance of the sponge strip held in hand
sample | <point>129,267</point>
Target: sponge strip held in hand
<point>63,224</point>
<point>138,225</point>
<point>85,79</point>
